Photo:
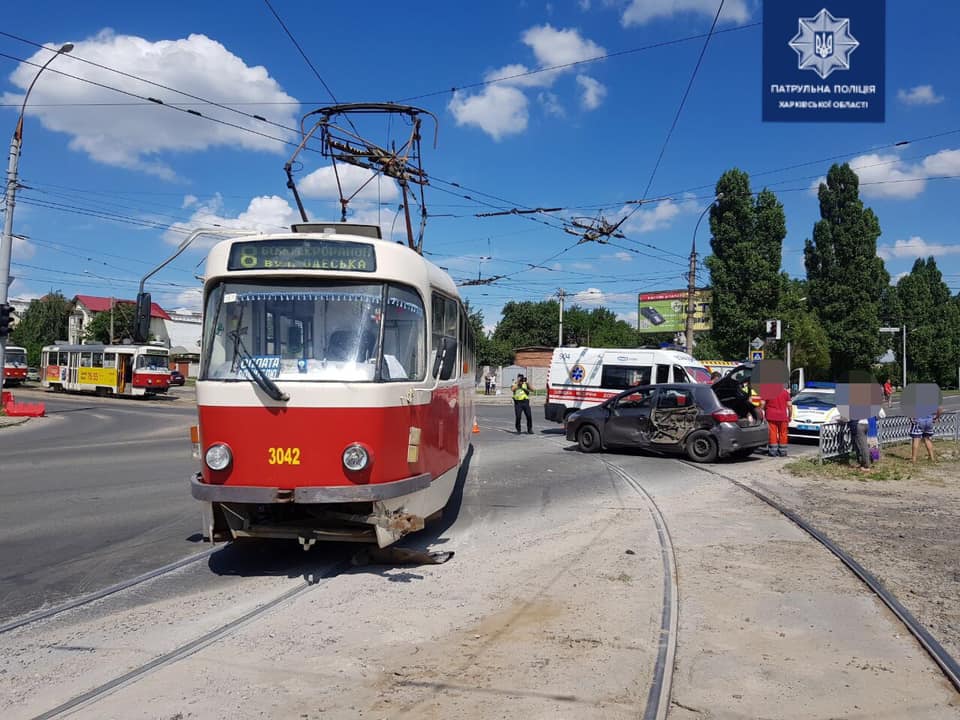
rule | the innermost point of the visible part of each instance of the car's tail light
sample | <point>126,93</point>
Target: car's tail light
<point>725,416</point>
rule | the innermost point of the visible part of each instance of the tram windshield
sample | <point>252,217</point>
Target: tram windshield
<point>153,361</point>
<point>16,357</point>
<point>346,332</point>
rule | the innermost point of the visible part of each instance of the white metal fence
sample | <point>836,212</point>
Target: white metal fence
<point>835,440</point>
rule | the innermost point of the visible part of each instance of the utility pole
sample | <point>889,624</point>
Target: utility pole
<point>561,293</point>
<point>691,289</point>
<point>6,242</point>
<point>692,278</point>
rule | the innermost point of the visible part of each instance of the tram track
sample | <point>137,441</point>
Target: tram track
<point>947,664</point>
<point>659,695</point>
<point>93,597</point>
<point>193,646</point>
<point>934,649</point>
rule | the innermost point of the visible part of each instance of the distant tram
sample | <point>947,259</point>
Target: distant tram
<point>126,370</point>
<point>14,365</point>
<point>335,396</point>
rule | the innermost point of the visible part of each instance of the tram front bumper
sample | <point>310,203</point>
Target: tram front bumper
<point>322,494</point>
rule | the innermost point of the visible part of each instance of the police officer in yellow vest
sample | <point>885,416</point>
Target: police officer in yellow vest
<point>521,402</point>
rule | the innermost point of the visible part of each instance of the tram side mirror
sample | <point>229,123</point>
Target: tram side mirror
<point>141,330</point>
<point>446,358</point>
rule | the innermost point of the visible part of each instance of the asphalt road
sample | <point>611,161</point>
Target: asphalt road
<point>93,494</point>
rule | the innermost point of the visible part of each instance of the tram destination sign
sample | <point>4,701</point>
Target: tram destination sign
<point>302,254</point>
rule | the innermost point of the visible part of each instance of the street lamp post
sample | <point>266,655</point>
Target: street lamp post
<point>6,242</point>
<point>692,277</point>
<point>903,332</point>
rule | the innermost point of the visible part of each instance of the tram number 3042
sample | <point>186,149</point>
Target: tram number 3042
<point>284,456</point>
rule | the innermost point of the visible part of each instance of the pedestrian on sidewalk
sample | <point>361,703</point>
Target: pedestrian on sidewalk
<point>887,392</point>
<point>521,402</point>
<point>777,409</point>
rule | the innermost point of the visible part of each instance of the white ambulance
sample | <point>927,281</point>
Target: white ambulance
<point>582,377</point>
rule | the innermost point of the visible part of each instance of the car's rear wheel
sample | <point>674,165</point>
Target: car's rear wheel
<point>588,439</point>
<point>701,447</point>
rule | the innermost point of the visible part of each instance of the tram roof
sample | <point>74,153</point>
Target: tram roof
<point>395,261</point>
<point>100,347</point>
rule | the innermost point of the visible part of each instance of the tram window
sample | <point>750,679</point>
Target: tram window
<point>109,360</point>
<point>97,359</point>
<point>404,336</point>
<point>85,359</point>
<point>446,313</point>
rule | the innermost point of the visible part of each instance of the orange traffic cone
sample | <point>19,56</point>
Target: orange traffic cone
<point>476,427</point>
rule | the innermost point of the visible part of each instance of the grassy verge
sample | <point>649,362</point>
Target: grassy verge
<point>894,465</point>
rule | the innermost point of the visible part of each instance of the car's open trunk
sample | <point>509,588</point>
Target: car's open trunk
<point>732,396</point>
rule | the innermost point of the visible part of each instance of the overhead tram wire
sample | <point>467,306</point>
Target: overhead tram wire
<point>152,101</point>
<point>562,66</point>
<point>676,117</point>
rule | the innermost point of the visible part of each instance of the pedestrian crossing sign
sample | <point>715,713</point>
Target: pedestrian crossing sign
<point>756,355</point>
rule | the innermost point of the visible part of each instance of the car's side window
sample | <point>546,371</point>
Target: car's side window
<point>670,399</point>
<point>635,400</point>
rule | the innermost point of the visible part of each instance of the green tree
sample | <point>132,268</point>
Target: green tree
<point>809,345</point>
<point>124,323</point>
<point>488,351</point>
<point>747,247</point>
<point>846,280</point>
<point>923,303</point>
<point>44,323</point>
<point>525,324</point>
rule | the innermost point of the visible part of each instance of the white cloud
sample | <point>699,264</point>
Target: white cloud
<point>267,213</point>
<point>945,162</point>
<point>502,109</point>
<point>639,12</point>
<point>133,136</point>
<point>591,297</point>
<point>593,92</point>
<point>584,4</point>
<point>623,256</point>
<point>629,317</point>
<point>189,201</point>
<point>23,249</point>
<point>888,176</point>
<point>915,247</point>
<point>582,265</point>
<point>919,95</point>
<point>550,103</point>
<point>188,299</point>
<point>552,46</point>
<point>322,184</point>
<point>519,75</point>
<point>659,216</point>
<point>497,110</point>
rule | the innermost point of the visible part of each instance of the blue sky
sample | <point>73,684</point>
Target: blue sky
<point>112,180</point>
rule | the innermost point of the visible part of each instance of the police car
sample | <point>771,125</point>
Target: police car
<point>813,406</point>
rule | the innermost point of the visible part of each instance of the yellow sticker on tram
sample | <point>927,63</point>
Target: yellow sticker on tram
<point>284,456</point>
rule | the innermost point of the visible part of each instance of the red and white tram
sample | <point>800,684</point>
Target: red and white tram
<point>134,370</point>
<point>335,389</point>
<point>14,365</point>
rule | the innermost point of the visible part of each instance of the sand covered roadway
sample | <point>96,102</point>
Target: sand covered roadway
<point>551,607</point>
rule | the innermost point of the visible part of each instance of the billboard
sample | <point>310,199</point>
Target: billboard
<point>823,60</point>
<point>666,311</point>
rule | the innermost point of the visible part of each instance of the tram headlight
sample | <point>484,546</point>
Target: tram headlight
<point>218,457</point>
<point>356,458</point>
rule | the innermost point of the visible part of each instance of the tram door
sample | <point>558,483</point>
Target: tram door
<point>124,371</point>
<point>73,362</point>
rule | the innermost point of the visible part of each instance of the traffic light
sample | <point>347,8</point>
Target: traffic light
<point>5,320</point>
<point>773,329</point>
<point>141,330</point>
